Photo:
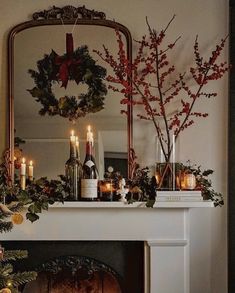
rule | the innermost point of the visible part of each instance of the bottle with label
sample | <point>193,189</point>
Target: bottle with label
<point>73,170</point>
<point>89,182</point>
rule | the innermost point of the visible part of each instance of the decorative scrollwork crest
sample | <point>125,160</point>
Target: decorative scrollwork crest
<point>68,12</point>
<point>75,264</point>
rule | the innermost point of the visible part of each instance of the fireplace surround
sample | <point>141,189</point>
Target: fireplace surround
<point>164,229</point>
<point>71,266</point>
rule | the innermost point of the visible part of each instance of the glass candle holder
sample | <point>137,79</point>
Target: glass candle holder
<point>107,190</point>
<point>188,181</point>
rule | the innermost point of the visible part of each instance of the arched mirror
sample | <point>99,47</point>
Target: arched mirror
<point>46,137</point>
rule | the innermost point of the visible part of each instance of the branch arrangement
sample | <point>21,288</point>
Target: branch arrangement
<point>154,84</point>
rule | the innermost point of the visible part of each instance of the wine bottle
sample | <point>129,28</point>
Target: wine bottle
<point>89,182</point>
<point>73,171</point>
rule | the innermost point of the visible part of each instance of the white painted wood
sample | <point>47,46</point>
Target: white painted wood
<point>136,205</point>
<point>167,269</point>
<point>167,242</point>
<point>170,264</point>
<point>164,228</point>
<point>65,223</point>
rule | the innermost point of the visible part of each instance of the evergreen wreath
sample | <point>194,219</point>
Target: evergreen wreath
<point>76,66</point>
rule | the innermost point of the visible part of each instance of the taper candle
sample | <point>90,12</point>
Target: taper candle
<point>72,137</point>
<point>23,167</point>
<point>31,171</point>
<point>89,134</point>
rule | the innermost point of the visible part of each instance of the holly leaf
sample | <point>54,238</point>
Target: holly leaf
<point>23,197</point>
<point>35,208</point>
<point>44,205</point>
<point>207,172</point>
<point>36,92</point>
<point>150,203</point>
<point>32,217</point>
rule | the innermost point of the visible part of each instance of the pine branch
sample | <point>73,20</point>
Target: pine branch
<point>22,278</point>
<point>7,274</point>
<point>5,226</point>
<point>6,270</point>
<point>10,255</point>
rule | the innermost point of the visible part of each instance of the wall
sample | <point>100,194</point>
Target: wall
<point>205,144</point>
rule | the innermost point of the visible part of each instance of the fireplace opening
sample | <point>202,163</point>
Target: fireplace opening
<point>75,274</point>
<point>83,266</point>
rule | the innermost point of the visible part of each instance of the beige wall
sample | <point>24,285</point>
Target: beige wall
<point>206,143</point>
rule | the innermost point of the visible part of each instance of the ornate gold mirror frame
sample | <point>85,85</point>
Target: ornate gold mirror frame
<point>56,16</point>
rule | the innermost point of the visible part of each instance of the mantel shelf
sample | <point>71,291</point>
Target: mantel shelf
<point>165,199</point>
<point>135,205</point>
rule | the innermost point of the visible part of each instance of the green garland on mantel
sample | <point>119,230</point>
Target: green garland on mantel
<point>42,193</point>
<point>80,67</point>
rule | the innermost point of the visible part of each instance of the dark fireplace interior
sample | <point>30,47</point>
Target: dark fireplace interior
<point>83,266</point>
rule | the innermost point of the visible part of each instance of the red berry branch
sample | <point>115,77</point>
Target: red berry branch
<point>146,79</point>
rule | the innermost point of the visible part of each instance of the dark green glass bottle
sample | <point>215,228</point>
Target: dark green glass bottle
<point>73,172</point>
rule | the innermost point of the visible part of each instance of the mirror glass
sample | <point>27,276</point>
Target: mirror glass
<point>47,137</point>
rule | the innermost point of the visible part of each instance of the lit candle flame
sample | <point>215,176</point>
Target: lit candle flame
<point>158,178</point>
<point>23,160</point>
<point>30,163</point>
<point>89,128</point>
<point>108,186</point>
<point>72,132</point>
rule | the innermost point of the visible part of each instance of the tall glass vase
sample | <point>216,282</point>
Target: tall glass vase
<point>166,171</point>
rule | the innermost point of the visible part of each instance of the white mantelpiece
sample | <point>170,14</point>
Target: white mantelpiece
<point>164,228</point>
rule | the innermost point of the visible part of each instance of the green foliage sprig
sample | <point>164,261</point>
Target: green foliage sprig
<point>204,183</point>
<point>148,186</point>
<point>42,193</point>
<point>36,198</point>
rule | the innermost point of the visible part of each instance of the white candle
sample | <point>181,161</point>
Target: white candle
<point>72,137</point>
<point>89,134</point>
<point>77,148</point>
<point>23,167</point>
<point>31,170</point>
<point>77,142</point>
<point>23,182</point>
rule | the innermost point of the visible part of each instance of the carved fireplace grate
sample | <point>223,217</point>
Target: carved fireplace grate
<point>75,274</point>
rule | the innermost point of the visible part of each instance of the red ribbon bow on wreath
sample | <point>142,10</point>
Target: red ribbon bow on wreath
<point>65,62</point>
